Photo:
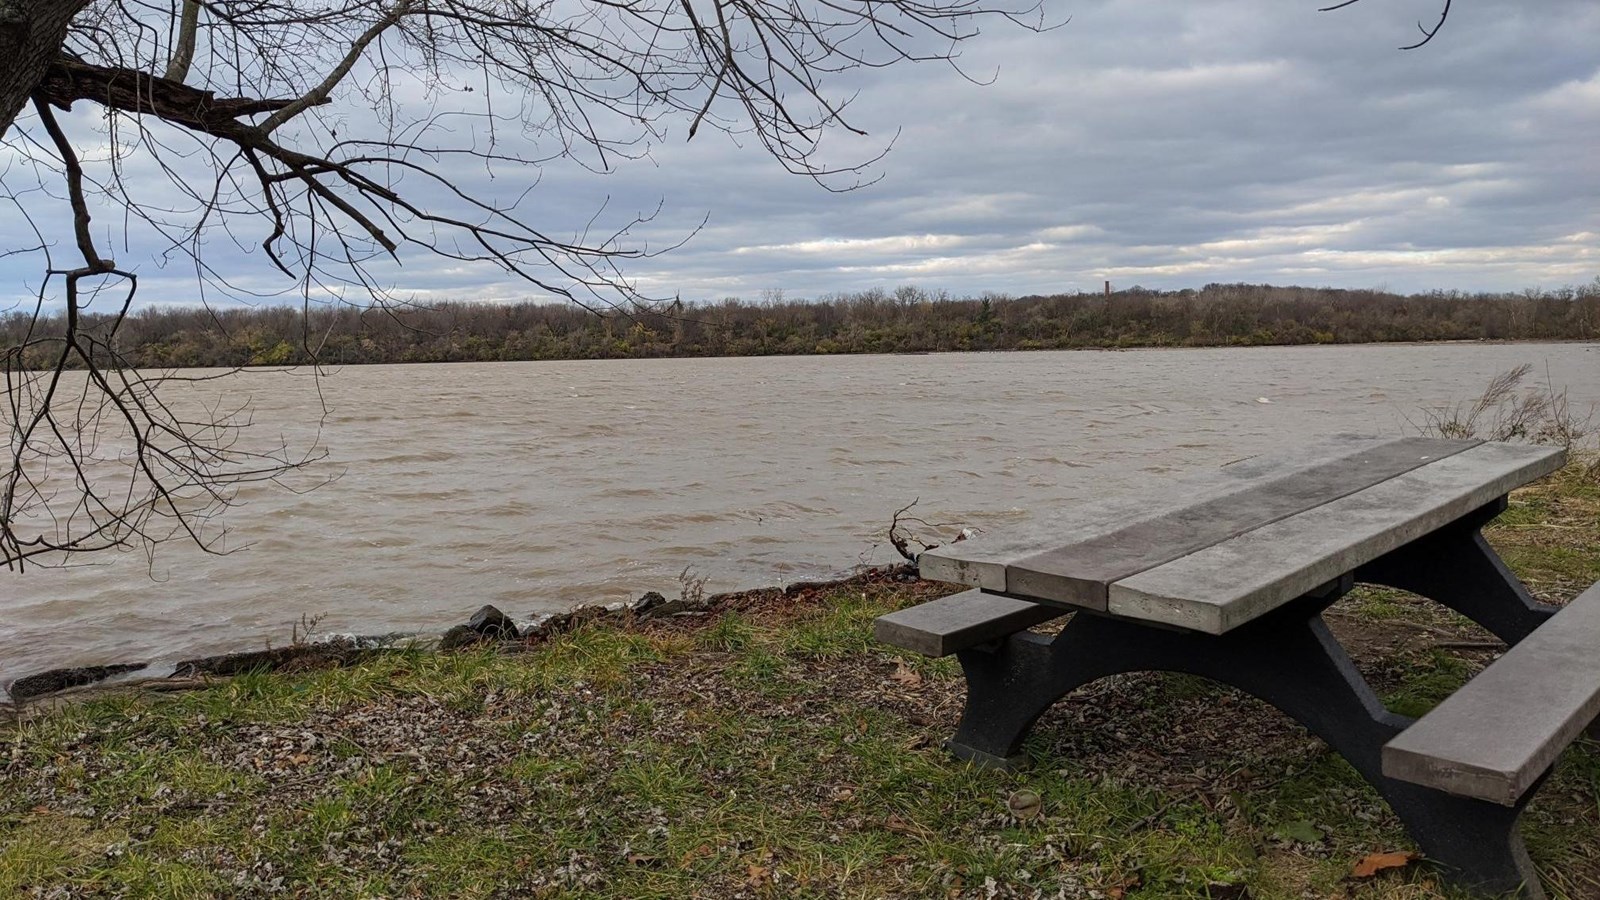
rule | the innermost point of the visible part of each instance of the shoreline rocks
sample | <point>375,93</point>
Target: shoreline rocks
<point>487,625</point>
<point>292,658</point>
<point>493,623</point>
<point>54,680</point>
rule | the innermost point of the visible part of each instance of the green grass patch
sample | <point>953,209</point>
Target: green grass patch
<point>767,752</point>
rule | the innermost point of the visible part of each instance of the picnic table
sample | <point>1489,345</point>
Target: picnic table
<point>1226,576</point>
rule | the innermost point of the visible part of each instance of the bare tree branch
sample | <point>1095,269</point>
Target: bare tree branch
<point>319,94</point>
<point>183,47</point>
<point>1427,33</point>
<point>333,135</point>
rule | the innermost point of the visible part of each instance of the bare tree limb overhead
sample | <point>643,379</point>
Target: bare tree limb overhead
<point>331,137</point>
<point>1427,33</point>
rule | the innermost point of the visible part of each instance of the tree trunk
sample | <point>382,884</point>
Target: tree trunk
<point>31,34</point>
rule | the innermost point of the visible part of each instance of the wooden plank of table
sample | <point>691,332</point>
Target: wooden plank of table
<point>1229,583</point>
<point>981,561</point>
<point>1081,572</point>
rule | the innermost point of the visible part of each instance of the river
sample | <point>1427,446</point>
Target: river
<point>535,486</point>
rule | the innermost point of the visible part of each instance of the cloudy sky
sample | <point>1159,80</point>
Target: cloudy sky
<point>1161,144</point>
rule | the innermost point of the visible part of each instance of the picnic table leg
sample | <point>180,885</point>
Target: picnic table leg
<point>1010,686</point>
<point>1456,567</point>
<point>1288,659</point>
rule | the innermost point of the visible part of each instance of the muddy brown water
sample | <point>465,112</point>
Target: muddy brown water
<point>535,486</point>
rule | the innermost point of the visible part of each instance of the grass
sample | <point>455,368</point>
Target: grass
<point>769,750</point>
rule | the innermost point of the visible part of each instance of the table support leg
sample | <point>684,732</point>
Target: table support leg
<point>1456,567</point>
<point>1288,659</point>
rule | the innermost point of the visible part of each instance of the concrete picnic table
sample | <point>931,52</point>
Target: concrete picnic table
<point>1226,576</point>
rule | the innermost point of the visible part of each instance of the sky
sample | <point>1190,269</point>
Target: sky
<point>1162,145</point>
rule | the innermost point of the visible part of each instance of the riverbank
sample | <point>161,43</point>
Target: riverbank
<point>764,748</point>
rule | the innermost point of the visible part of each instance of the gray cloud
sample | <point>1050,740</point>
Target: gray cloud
<point>1160,144</point>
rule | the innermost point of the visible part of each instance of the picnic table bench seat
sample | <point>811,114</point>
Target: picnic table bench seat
<point>960,621</point>
<point>1498,735</point>
<point>1226,576</point>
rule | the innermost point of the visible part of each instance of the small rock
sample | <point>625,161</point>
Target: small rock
<point>493,623</point>
<point>458,637</point>
<point>61,679</point>
<point>666,608</point>
<point>376,641</point>
<point>648,602</point>
<point>539,627</point>
<point>297,656</point>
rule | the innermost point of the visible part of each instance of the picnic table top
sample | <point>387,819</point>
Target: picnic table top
<point>1213,552</point>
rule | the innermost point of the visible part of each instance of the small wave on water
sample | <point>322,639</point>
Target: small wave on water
<point>591,430</point>
<point>408,458</point>
<point>630,492</point>
<point>1057,461</point>
<point>657,523</point>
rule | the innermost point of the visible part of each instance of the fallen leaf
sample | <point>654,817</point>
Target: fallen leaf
<point>904,674</point>
<point>1118,891</point>
<point>640,859</point>
<point>700,852</point>
<point>1373,863</point>
<point>758,875</point>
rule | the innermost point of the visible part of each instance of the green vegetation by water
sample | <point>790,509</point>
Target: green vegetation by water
<point>905,321</point>
<point>769,749</point>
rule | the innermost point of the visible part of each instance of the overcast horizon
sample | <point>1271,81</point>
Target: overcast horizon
<point>1138,143</point>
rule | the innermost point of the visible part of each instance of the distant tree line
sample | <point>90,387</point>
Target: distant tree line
<point>907,320</point>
